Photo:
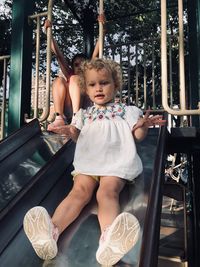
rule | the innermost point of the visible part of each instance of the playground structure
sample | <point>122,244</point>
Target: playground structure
<point>182,141</point>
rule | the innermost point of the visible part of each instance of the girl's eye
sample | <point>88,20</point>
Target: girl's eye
<point>91,84</point>
<point>104,83</point>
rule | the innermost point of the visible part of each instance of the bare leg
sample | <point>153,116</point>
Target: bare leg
<point>51,116</point>
<point>120,231</point>
<point>76,200</point>
<point>108,200</point>
<point>62,102</point>
<point>75,93</point>
<point>43,232</point>
<point>61,98</point>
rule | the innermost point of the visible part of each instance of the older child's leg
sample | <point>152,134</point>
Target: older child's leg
<point>120,232</point>
<point>61,101</point>
<point>67,101</point>
<point>75,93</point>
<point>43,232</point>
<point>60,93</point>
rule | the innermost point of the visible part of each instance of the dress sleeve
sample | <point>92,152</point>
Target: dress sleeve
<point>78,119</point>
<point>132,115</point>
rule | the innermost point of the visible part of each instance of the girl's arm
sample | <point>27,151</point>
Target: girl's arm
<point>66,69</point>
<point>140,129</point>
<point>140,132</point>
<point>74,133</point>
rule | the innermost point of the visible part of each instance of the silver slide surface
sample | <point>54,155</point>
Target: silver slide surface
<point>78,244</point>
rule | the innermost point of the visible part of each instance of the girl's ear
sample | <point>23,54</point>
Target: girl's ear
<point>86,90</point>
<point>116,87</point>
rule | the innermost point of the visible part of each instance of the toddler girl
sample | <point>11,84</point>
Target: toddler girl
<point>106,159</point>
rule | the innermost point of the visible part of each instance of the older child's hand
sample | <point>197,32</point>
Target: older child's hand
<point>102,19</point>
<point>149,120</point>
<point>47,24</point>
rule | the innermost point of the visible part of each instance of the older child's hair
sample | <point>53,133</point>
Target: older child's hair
<point>99,64</point>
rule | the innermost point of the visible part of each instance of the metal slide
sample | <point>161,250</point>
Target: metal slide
<point>38,173</point>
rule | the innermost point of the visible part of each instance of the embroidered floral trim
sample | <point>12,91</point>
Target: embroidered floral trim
<point>108,112</point>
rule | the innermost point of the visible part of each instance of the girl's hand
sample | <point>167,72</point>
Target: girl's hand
<point>149,120</point>
<point>69,131</point>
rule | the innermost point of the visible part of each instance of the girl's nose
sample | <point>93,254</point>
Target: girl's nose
<point>99,88</point>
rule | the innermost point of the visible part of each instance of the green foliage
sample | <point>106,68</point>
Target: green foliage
<point>5,27</point>
<point>5,32</point>
<point>128,22</point>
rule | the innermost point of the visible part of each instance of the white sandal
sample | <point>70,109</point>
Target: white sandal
<point>121,236</point>
<point>41,232</point>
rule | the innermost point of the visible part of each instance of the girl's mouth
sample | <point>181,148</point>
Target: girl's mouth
<point>99,96</point>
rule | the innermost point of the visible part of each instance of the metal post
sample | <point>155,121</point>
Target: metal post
<point>100,30</point>
<point>21,57</point>
<point>194,58</point>
<point>37,56</point>
<point>3,109</point>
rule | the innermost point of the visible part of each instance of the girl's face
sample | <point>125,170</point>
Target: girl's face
<point>77,64</point>
<point>100,86</point>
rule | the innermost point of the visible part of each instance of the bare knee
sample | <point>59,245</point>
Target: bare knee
<point>106,194</point>
<point>81,195</point>
<point>59,84</point>
<point>61,98</point>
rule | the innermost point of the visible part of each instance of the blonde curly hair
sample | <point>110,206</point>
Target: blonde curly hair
<point>99,64</point>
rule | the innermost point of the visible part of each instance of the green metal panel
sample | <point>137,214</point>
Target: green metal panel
<point>20,74</point>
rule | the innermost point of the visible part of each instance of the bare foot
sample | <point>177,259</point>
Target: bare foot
<point>59,121</point>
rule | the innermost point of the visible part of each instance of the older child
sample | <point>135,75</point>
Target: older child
<point>106,159</point>
<point>67,96</point>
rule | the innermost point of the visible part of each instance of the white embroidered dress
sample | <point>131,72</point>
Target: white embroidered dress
<point>105,146</point>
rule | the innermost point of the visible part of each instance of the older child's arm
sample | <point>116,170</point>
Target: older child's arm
<point>140,130</point>
<point>66,69</point>
<point>101,18</point>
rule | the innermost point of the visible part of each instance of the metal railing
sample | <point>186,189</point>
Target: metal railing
<point>46,107</point>
<point>183,110</point>
<point>137,60</point>
<point>141,89</point>
<point>151,232</point>
<point>5,60</point>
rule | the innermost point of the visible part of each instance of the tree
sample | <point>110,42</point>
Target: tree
<point>128,22</point>
<point>5,32</point>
